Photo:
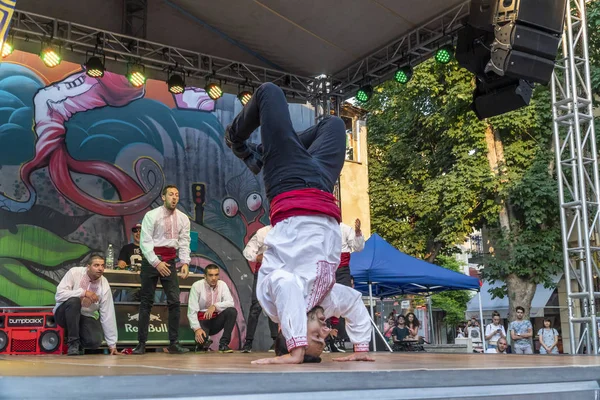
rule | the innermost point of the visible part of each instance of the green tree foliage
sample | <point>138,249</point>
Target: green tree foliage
<point>454,303</point>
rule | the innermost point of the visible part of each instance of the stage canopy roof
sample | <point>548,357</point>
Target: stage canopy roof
<point>352,41</point>
<point>392,272</point>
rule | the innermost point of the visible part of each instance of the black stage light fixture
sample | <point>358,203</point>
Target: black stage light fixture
<point>94,67</point>
<point>176,84</point>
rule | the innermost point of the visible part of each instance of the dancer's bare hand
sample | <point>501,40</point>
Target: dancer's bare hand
<point>113,351</point>
<point>355,357</point>
<point>208,314</point>
<point>92,296</point>
<point>296,356</point>
<point>200,335</point>
<point>163,269</point>
<point>185,271</point>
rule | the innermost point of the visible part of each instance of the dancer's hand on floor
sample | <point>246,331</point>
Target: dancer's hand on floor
<point>355,357</point>
<point>296,356</point>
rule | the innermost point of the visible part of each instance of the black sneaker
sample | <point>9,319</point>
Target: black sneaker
<point>223,348</point>
<point>247,347</point>
<point>139,349</point>
<point>272,348</point>
<point>176,348</point>
<point>73,349</point>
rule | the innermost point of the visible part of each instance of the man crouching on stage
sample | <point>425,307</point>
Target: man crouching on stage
<point>85,308</point>
<point>297,275</point>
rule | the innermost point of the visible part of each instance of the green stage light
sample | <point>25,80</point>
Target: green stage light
<point>364,93</point>
<point>403,75</point>
<point>245,97</point>
<point>444,54</point>
<point>213,90</point>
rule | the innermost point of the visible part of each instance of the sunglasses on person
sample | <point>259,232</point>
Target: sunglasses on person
<point>135,230</point>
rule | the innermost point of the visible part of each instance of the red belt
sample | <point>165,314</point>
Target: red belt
<point>344,260</point>
<point>165,253</point>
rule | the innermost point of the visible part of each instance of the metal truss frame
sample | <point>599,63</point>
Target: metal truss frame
<point>411,48</point>
<point>135,17</point>
<point>156,57</point>
<point>578,179</point>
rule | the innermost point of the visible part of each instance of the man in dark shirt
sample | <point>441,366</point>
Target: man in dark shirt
<point>130,253</point>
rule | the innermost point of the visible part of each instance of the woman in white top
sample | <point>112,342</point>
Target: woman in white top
<point>548,338</point>
<point>494,331</point>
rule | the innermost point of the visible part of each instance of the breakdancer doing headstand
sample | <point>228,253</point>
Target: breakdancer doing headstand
<point>296,283</point>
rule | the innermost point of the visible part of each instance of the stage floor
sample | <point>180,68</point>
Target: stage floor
<point>215,375</point>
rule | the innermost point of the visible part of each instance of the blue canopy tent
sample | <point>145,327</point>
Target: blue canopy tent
<point>391,272</point>
<point>381,270</point>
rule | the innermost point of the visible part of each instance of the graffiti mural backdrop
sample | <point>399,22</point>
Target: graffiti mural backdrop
<point>82,159</point>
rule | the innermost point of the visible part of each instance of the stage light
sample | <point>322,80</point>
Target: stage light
<point>176,84</point>
<point>244,97</point>
<point>50,57</point>
<point>213,90</point>
<point>364,93</point>
<point>444,54</point>
<point>7,49</point>
<point>94,67</point>
<point>403,75</point>
<point>136,75</point>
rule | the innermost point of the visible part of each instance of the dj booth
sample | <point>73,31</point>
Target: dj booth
<point>126,286</point>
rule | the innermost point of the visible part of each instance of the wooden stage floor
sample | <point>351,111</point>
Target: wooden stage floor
<point>215,375</point>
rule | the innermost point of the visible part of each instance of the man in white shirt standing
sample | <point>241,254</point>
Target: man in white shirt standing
<point>85,308</point>
<point>211,309</point>
<point>165,237</point>
<point>253,252</point>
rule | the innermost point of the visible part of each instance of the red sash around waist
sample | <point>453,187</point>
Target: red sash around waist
<point>344,260</point>
<point>165,253</point>
<point>304,202</point>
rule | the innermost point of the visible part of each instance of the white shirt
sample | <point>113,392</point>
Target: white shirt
<point>351,242</point>
<point>494,351</point>
<point>203,296</point>
<point>298,273</point>
<point>256,245</point>
<point>162,228</point>
<point>74,284</point>
<point>489,328</point>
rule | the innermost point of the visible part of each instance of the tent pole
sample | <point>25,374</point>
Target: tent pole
<point>380,335</point>
<point>482,327</point>
<point>431,333</point>
<point>372,315</point>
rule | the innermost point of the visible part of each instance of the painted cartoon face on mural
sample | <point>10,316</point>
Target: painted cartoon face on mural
<point>95,154</point>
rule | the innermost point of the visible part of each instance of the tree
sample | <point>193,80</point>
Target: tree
<point>437,172</point>
<point>454,303</point>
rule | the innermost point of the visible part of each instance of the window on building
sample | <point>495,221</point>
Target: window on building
<point>352,140</point>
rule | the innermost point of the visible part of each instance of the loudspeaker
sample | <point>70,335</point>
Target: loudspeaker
<point>546,15</point>
<point>500,96</point>
<point>30,333</point>
<point>473,49</point>
<point>482,14</point>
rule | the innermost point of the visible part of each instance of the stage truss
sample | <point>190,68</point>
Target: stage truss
<point>578,180</point>
<point>325,92</point>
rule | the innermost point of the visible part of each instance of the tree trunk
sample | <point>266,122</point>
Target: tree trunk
<point>495,156</point>
<point>520,293</point>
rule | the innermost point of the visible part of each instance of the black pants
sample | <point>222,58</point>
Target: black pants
<point>225,322</point>
<point>343,277</point>
<point>254,313</point>
<point>79,328</point>
<point>149,277</point>
<point>310,159</point>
